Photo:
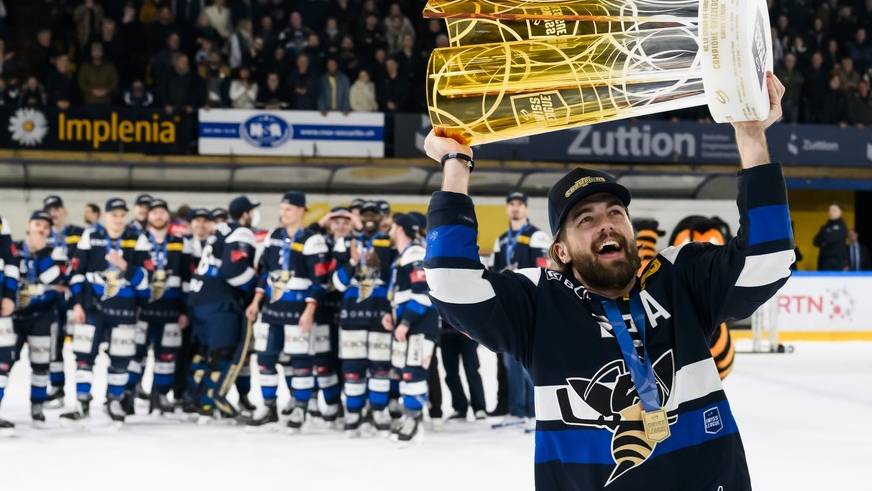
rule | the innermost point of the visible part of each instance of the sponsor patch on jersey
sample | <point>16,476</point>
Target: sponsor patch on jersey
<point>712,421</point>
<point>417,276</point>
<point>542,262</point>
<point>652,268</point>
<point>236,256</point>
<point>554,275</point>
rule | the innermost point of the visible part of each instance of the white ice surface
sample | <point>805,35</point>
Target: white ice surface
<point>806,420</point>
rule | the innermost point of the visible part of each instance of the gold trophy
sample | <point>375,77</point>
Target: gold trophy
<point>112,279</point>
<point>158,284</point>
<point>518,68</point>
<point>279,283</point>
<point>26,294</point>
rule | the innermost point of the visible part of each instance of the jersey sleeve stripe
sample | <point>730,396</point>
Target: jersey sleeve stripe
<point>769,223</point>
<point>452,241</point>
<point>765,269</point>
<point>459,286</point>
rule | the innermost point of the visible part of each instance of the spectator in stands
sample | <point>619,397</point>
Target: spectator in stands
<point>370,36</point>
<point>860,49</point>
<point>113,51</point>
<point>138,95</point>
<point>132,39</point>
<point>243,90</point>
<point>800,49</point>
<point>182,91</point>
<point>793,81</point>
<point>848,76</point>
<point>816,83</point>
<point>858,254</point>
<point>186,12</point>
<point>216,75</point>
<point>317,56</point>
<point>294,37</point>
<point>281,64</point>
<point>304,85</point>
<point>92,214</point>
<point>98,80</point>
<point>240,44</point>
<point>860,105</point>
<point>8,95</point>
<point>41,54</point>
<point>273,95</point>
<point>205,30</point>
<point>331,38</point>
<point>88,16</point>
<point>396,27</point>
<point>394,89</point>
<point>348,59</point>
<point>831,240</point>
<point>362,95</point>
<point>834,109</point>
<point>163,63</point>
<point>833,53</point>
<point>219,18</point>
<point>268,33</point>
<point>61,86</point>
<point>333,91</point>
<point>157,31</point>
<point>7,59</point>
<point>32,94</point>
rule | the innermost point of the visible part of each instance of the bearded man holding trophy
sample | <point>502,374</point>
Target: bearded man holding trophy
<point>627,395</point>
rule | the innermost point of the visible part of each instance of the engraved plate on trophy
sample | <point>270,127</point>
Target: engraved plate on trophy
<point>517,68</point>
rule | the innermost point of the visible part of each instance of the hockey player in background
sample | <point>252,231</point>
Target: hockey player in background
<point>619,406</point>
<point>140,213</point>
<point>163,315</point>
<point>65,239</point>
<point>108,281</point>
<point>200,225</point>
<point>39,290</point>
<point>8,294</point>
<point>292,272</point>
<point>364,344</point>
<point>220,289</point>
<point>413,320</point>
<point>523,245</point>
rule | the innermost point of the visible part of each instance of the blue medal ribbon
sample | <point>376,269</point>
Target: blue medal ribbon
<point>112,244</point>
<point>641,371</point>
<point>513,241</point>
<point>29,262</point>
<point>158,252</point>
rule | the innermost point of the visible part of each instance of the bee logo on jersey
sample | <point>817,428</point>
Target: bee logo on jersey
<point>611,393</point>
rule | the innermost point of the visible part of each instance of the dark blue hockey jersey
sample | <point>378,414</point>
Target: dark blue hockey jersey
<point>409,285</point>
<point>168,265</point>
<point>66,242</point>
<point>291,272</point>
<point>95,284</point>
<point>365,285</point>
<point>226,272</point>
<point>589,430</point>
<point>526,247</point>
<point>8,267</point>
<point>40,278</point>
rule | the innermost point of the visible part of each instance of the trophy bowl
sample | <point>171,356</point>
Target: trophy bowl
<point>518,68</point>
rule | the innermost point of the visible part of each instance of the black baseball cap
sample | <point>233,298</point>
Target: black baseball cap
<point>143,199</point>
<point>52,201</point>
<point>158,203</point>
<point>295,198</point>
<point>240,205</point>
<point>410,225</point>
<point>218,214</point>
<point>370,206</point>
<point>198,213</point>
<point>356,203</point>
<point>516,195</point>
<point>113,204</point>
<point>576,186</point>
<point>384,206</point>
<point>41,215</point>
<point>420,218</point>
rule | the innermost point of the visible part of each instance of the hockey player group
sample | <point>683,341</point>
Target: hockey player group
<point>337,307</point>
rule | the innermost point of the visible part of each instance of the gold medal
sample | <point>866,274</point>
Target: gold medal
<point>26,294</point>
<point>284,276</point>
<point>365,289</point>
<point>160,275</point>
<point>656,425</point>
<point>279,284</point>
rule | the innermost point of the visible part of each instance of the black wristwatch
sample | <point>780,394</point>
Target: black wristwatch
<point>470,164</point>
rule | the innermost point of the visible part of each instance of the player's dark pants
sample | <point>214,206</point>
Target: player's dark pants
<point>35,330</point>
<point>228,342</point>
<point>456,346</point>
<point>419,346</point>
<point>520,388</point>
<point>183,364</point>
<point>165,338</point>
<point>86,343</point>
<point>57,377</point>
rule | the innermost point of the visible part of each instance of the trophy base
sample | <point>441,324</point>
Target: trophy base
<point>736,49</point>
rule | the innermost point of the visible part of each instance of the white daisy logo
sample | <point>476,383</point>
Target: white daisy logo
<point>28,127</point>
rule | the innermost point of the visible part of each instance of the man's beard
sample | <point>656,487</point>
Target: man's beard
<point>606,277</point>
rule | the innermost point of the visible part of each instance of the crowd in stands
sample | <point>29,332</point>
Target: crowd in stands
<point>344,55</point>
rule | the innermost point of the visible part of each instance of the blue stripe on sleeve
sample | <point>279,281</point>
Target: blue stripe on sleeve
<point>768,223</point>
<point>452,241</point>
<point>416,307</point>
